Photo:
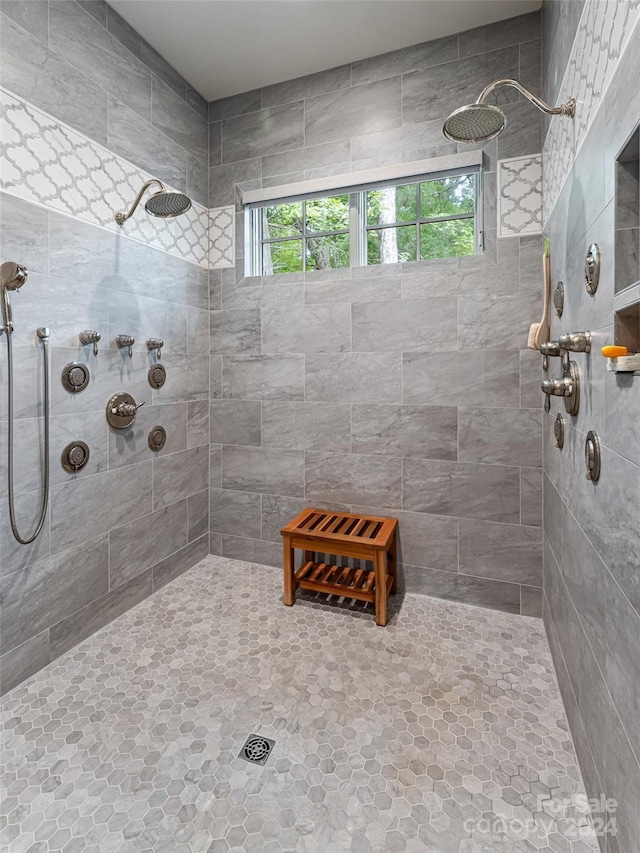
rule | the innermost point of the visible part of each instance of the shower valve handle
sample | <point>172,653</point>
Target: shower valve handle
<point>157,344</point>
<point>558,387</point>
<point>576,342</point>
<point>89,336</point>
<point>127,410</point>
<point>125,342</point>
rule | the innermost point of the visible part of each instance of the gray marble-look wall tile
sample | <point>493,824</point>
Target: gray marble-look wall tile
<point>418,141</point>
<point>267,131</point>
<point>198,515</point>
<point>135,547</point>
<point>446,378</point>
<point>502,436</point>
<point>278,511</point>
<point>125,494</point>
<point>306,426</point>
<point>19,663</point>
<point>414,324</point>
<point>236,513</point>
<point>463,588</point>
<point>45,79</point>
<point>505,552</point>
<point>252,550</point>
<point>144,318</point>
<point>429,432</point>
<point>523,133</point>
<point>531,376</point>
<point>531,496</point>
<point>132,137</point>
<point>215,143</point>
<point>27,511</point>
<point>423,540</point>
<point>235,105</point>
<point>432,93</point>
<point>235,422</point>
<point>312,328</point>
<point>177,564</point>
<point>307,87</point>
<point>350,478</point>
<point>32,17</point>
<point>463,489</point>
<point>36,597</point>
<point>197,102</point>
<point>376,288</point>
<point>187,379</point>
<point>511,31</point>
<point>197,180</point>
<point>131,445</point>
<point>531,601</point>
<point>310,157</point>
<point>134,42</point>
<point>215,466</point>
<point>235,331</point>
<point>258,469</point>
<point>174,117</point>
<point>497,321</point>
<point>89,47</point>
<point>353,377</point>
<point>352,112</point>
<point>81,624</point>
<point>25,233</point>
<point>197,423</point>
<point>263,377</point>
<point>179,475</point>
<point>241,296</point>
<point>227,179</point>
<point>406,59</point>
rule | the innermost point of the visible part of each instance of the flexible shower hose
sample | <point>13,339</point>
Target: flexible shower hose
<point>45,498</point>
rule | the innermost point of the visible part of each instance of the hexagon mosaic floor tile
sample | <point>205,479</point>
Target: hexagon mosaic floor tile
<point>443,732</point>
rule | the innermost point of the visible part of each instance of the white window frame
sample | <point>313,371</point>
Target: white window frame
<point>358,227</point>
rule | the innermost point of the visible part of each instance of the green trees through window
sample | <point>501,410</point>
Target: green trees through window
<point>408,222</point>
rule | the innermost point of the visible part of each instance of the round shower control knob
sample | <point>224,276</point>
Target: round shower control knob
<point>592,456</point>
<point>157,438</point>
<point>75,456</point>
<point>157,376</point>
<point>75,376</point>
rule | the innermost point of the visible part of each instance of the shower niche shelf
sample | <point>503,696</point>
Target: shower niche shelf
<point>627,207</point>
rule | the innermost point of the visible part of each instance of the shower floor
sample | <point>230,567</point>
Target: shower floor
<point>443,732</point>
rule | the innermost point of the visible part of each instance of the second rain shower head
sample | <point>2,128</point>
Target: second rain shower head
<point>481,122</point>
<point>163,203</point>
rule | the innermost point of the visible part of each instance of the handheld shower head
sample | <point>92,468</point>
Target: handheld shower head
<point>163,203</point>
<point>481,122</point>
<point>12,277</point>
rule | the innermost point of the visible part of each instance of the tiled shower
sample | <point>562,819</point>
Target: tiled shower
<point>403,390</point>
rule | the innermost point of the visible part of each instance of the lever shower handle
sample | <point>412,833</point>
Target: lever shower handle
<point>125,342</point>
<point>155,343</point>
<point>551,348</point>
<point>558,387</point>
<point>126,410</point>
<point>575,342</point>
<point>89,336</point>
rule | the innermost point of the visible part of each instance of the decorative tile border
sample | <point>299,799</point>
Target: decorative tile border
<point>48,163</point>
<point>520,196</point>
<point>604,32</point>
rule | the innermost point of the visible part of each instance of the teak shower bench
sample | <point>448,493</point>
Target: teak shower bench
<point>365,537</point>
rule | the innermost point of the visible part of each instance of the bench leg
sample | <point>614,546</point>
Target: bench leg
<point>289,581</point>
<point>309,557</point>
<point>393,564</point>
<point>381,587</point>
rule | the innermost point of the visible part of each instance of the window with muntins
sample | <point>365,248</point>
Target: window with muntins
<point>425,217</point>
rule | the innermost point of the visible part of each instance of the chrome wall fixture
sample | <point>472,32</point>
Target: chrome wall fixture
<point>575,342</point>
<point>89,336</point>
<point>592,456</point>
<point>125,342</point>
<point>163,203</point>
<point>155,344</point>
<point>75,376</point>
<point>552,349</point>
<point>568,387</point>
<point>157,438</point>
<point>480,122</point>
<point>558,431</point>
<point>121,410</point>
<point>592,268</point>
<point>12,277</point>
<point>157,375</point>
<point>558,298</point>
<point>75,456</point>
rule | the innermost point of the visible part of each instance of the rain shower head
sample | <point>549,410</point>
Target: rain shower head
<point>481,122</point>
<point>163,203</point>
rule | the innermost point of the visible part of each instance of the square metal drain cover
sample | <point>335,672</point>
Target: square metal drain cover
<point>257,749</point>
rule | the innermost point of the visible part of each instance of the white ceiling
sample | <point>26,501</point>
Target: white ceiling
<point>224,47</point>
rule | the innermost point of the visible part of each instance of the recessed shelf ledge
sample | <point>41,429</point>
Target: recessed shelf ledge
<point>352,180</point>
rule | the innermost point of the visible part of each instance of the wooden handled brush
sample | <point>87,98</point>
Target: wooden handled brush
<point>539,332</point>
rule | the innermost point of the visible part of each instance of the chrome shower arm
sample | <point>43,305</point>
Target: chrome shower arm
<point>568,109</point>
<point>122,217</point>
